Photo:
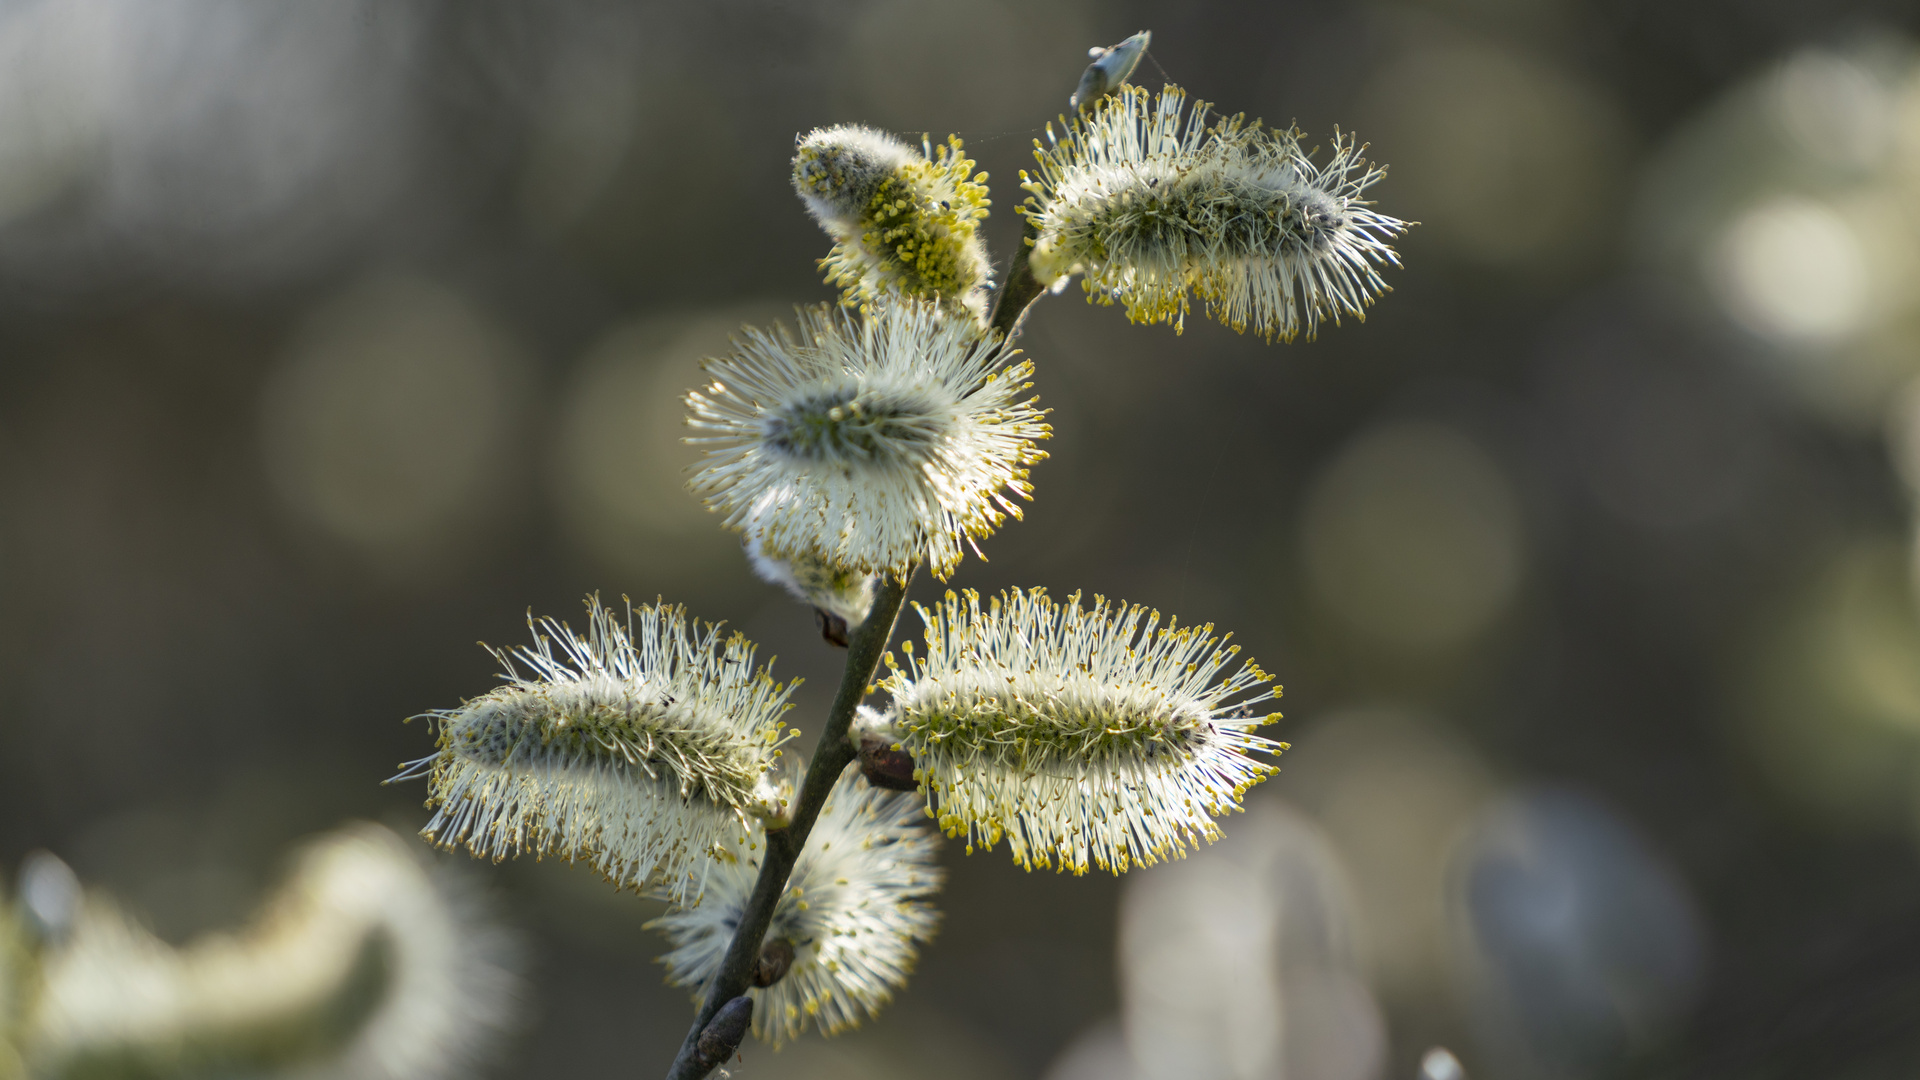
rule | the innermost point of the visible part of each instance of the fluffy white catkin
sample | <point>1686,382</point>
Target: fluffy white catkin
<point>642,747</point>
<point>1086,737</point>
<point>868,442</point>
<point>1150,201</point>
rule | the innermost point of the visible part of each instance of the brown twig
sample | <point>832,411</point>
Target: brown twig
<point>830,758</point>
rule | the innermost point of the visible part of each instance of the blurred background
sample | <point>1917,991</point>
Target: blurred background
<point>336,335</point>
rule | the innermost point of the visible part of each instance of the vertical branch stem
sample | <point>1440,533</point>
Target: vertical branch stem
<point>835,751</point>
<point>1019,292</point>
<point>830,758</point>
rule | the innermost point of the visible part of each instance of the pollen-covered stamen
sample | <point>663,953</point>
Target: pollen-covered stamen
<point>838,171</point>
<point>911,217</point>
<point>1152,203</point>
<point>1091,737</point>
<point>905,221</point>
<point>640,748</point>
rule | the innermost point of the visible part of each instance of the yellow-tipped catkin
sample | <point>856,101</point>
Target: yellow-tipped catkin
<point>642,747</point>
<point>904,221</point>
<point>1085,737</point>
<point>869,441</point>
<point>1150,201</point>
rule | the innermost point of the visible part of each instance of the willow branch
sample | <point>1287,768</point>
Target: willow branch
<point>1021,289</point>
<point>884,767</point>
<point>830,758</point>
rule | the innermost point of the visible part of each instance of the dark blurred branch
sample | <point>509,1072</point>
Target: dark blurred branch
<point>830,758</point>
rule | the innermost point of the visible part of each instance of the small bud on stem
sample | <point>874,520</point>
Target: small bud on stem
<point>1110,69</point>
<point>722,1035</point>
<point>776,957</point>
<point>886,765</point>
<point>833,628</point>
